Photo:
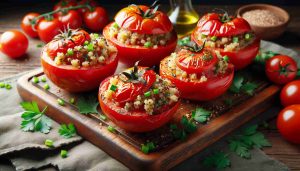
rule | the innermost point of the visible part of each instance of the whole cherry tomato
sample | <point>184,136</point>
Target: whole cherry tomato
<point>13,43</point>
<point>288,123</point>
<point>290,93</point>
<point>63,4</point>
<point>91,3</point>
<point>26,24</point>
<point>47,29</point>
<point>96,19</point>
<point>72,19</point>
<point>281,69</point>
<point>213,26</point>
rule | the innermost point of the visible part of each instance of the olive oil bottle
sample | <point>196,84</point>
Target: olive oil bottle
<point>183,16</point>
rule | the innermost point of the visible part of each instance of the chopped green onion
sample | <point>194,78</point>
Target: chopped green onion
<point>113,87</point>
<point>2,85</point>
<point>8,86</point>
<point>226,58</point>
<point>115,25</point>
<point>90,47</point>
<point>147,94</point>
<point>103,117</point>
<point>203,36</point>
<point>64,153</point>
<point>214,38</point>
<point>72,100</point>
<point>49,143</point>
<point>235,39</point>
<point>148,44</point>
<point>35,80</point>
<point>39,45</point>
<point>155,91</point>
<point>86,42</point>
<point>248,36</point>
<point>111,129</point>
<point>61,102</point>
<point>70,52</point>
<point>46,87</point>
<point>43,79</point>
<point>96,35</point>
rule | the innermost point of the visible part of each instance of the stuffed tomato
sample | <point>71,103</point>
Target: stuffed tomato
<point>143,34</point>
<point>231,36</point>
<point>77,61</point>
<point>198,73</point>
<point>138,99</point>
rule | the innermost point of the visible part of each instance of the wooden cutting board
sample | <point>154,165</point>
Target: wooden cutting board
<point>125,146</point>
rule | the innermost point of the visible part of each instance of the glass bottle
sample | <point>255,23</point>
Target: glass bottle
<point>183,16</point>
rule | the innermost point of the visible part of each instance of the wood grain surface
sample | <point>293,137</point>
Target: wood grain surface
<point>11,15</point>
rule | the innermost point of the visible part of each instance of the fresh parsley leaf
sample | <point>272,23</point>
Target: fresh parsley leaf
<point>261,57</point>
<point>184,41</point>
<point>250,130</point>
<point>239,148</point>
<point>201,115</point>
<point>259,140</point>
<point>146,148</point>
<point>219,160</point>
<point>188,125</point>
<point>178,133</point>
<point>237,84</point>
<point>88,104</point>
<point>249,88</point>
<point>34,119</point>
<point>67,131</point>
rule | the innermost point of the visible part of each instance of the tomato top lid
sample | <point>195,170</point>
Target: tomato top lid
<point>195,59</point>
<point>221,25</point>
<point>144,20</point>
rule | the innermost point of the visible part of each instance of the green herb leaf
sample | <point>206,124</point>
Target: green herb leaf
<point>67,131</point>
<point>236,84</point>
<point>179,134</point>
<point>146,148</point>
<point>33,119</point>
<point>219,160</point>
<point>249,88</point>
<point>262,57</point>
<point>239,148</point>
<point>188,125</point>
<point>201,115</point>
<point>88,104</point>
<point>259,140</point>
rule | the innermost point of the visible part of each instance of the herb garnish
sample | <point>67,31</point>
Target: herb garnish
<point>201,115</point>
<point>134,76</point>
<point>146,148</point>
<point>67,131</point>
<point>87,104</point>
<point>34,119</point>
<point>218,160</point>
<point>239,84</point>
<point>261,57</point>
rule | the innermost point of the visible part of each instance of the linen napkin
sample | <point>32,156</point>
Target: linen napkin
<point>27,151</point>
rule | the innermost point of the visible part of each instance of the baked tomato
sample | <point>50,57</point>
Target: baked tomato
<point>143,34</point>
<point>13,43</point>
<point>198,73</point>
<point>63,4</point>
<point>147,101</point>
<point>28,23</point>
<point>290,93</point>
<point>288,123</point>
<point>47,29</point>
<point>78,62</point>
<point>281,69</point>
<point>96,18</point>
<point>72,19</point>
<point>231,36</point>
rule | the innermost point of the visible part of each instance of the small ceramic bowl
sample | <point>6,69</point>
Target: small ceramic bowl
<point>267,32</point>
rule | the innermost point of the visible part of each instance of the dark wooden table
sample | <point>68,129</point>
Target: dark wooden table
<point>11,15</point>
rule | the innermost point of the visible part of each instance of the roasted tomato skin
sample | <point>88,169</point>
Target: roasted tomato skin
<point>77,80</point>
<point>212,25</point>
<point>134,121</point>
<point>147,56</point>
<point>202,91</point>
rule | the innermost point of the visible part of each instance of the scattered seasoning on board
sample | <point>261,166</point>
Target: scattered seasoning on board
<point>262,17</point>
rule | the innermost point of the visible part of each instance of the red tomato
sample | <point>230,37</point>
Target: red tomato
<point>47,29</point>
<point>213,24</point>
<point>288,123</point>
<point>88,2</point>
<point>136,121</point>
<point>214,86</point>
<point>281,69</point>
<point>290,93</point>
<point>13,43</point>
<point>63,4</point>
<point>72,19</point>
<point>147,56</point>
<point>96,19</point>
<point>131,18</point>
<point>26,25</point>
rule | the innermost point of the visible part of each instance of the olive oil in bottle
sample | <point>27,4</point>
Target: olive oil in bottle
<point>183,16</point>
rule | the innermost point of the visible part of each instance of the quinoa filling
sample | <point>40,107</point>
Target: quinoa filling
<point>220,68</point>
<point>162,93</point>
<point>94,52</point>
<point>232,43</point>
<point>132,38</point>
